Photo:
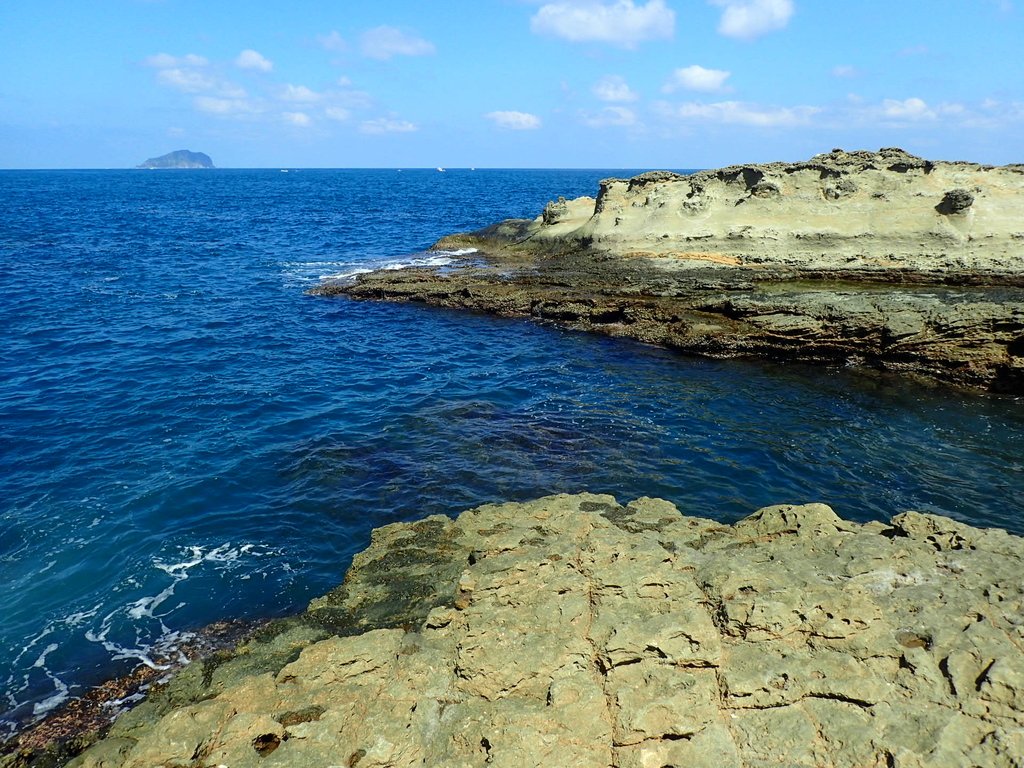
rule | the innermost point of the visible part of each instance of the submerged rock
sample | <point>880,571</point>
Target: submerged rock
<point>573,630</point>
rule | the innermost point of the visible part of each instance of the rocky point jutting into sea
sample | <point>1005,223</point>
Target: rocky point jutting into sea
<point>579,631</point>
<point>881,260</point>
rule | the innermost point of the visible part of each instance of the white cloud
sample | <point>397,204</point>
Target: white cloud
<point>224,107</point>
<point>338,113</point>
<point>186,80</point>
<point>384,42</point>
<point>332,42</point>
<point>988,114</point>
<point>299,93</point>
<point>696,78</point>
<point>250,59</point>
<point>190,81</point>
<point>300,119</point>
<point>908,109</point>
<point>515,121</point>
<point>918,113</point>
<point>387,125</point>
<point>617,116</point>
<point>741,113</point>
<point>747,19</point>
<point>187,74</point>
<point>166,61</point>
<point>614,88</point>
<point>845,70</point>
<point>622,22</point>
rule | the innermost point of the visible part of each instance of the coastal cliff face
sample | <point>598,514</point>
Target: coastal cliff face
<point>573,630</point>
<point>878,260</point>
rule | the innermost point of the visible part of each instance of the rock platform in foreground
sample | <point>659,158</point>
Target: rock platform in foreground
<point>877,260</point>
<point>573,631</point>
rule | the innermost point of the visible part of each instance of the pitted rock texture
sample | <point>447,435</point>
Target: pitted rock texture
<point>573,631</point>
<point>869,210</point>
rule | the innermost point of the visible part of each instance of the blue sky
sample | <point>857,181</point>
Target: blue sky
<point>507,83</point>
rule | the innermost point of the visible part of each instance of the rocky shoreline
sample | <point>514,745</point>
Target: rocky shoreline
<point>81,721</point>
<point>878,260</point>
<point>573,630</point>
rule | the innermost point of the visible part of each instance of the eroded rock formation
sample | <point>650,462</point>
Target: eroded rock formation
<point>576,631</point>
<point>837,211</point>
<point>874,259</point>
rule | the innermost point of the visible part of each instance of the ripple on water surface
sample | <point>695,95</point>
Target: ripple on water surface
<point>187,437</point>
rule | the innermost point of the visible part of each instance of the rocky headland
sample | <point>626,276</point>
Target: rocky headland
<point>181,159</point>
<point>880,260</point>
<point>575,631</point>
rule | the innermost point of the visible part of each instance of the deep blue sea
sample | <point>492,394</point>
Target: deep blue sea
<point>185,436</point>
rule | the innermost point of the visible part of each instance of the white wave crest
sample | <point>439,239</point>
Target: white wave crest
<point>460,251</point>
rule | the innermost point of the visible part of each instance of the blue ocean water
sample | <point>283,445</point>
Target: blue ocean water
<point>185,436</point>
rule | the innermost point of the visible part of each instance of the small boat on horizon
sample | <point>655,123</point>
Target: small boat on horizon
<point>440,169</point>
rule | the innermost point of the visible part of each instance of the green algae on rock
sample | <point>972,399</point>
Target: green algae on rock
<point>573,630</point>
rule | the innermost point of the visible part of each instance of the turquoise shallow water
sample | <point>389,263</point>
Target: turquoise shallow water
<point>185,436</point>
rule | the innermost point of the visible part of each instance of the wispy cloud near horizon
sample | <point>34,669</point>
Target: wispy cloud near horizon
<point>384,125</point>
<point>514,121</point>
<point>386,42</point>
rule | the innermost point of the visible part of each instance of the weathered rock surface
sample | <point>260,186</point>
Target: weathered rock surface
<point>868,210</point>
<point>575,631</point>
<point>881,260</point>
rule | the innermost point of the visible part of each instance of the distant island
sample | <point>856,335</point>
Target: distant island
<point>181,158</point>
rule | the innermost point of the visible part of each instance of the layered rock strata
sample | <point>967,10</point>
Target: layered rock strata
<point>882,260</point>
<point>575,631</point>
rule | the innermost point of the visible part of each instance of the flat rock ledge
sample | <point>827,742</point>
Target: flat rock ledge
<point>874,260</point>
<point>574,631</point>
